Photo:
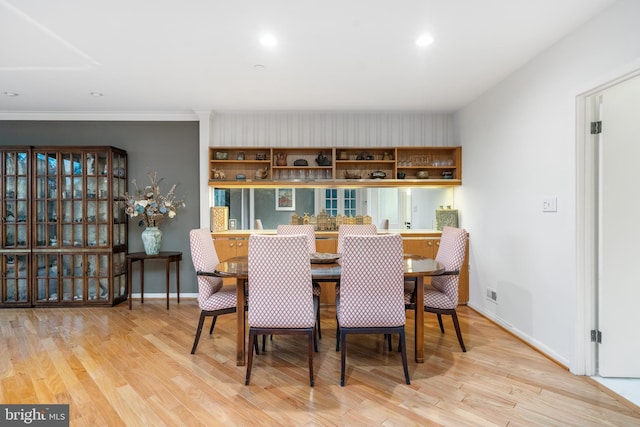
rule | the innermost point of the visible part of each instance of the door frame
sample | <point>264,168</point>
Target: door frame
<point>587,110</point>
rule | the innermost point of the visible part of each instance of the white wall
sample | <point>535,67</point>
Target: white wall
<point>519,145</point>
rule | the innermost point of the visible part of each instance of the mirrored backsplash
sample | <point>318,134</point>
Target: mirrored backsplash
<point>400,208</point>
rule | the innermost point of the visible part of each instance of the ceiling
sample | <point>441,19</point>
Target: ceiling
<point>170,56</point>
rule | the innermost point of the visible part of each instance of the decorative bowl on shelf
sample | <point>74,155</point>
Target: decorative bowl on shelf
<point>324,258</point>
<point>422,174</point>
<point>377,175</point>
<point>351,175</point>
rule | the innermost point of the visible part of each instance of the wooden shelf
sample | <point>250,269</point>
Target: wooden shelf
<point>442,165</point>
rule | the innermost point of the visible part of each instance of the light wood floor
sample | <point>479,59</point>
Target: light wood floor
<point>120,367</point>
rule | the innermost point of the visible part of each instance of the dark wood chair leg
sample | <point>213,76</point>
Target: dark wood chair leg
<point>403,350</point>
<point>213,324</point>
<point>252,344</point>
<point>315,340</point>
<point>316,302</point>
<point>343,356</point>
<point>318,323</point>
<point>454,315</point>
<point>312,343</point>
<point>199,331</point>
<point>440,323</point>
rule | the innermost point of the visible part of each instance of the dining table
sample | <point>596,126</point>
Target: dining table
<point>416,267</point>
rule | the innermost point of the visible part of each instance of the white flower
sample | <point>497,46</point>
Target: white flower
<point>150,205</point>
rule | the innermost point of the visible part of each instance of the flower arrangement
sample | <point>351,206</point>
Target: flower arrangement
<point>150,205</point>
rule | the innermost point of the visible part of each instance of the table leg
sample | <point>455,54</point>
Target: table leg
<point>141,281</point>
<point>240,325</point>
<point>167,267</point>
<point>178,280</point>
<point>129,282</point>
<point>419,318</point>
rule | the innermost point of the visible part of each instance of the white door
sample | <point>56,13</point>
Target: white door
<point>619,232</point>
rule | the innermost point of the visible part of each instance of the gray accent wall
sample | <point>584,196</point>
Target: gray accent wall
<point>169,148</point>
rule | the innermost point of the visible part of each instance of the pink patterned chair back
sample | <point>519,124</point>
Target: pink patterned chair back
<point>280,282</point>
<point>307,229</point>
<point>451,254</point>
<point>355,230</point>
<point>204,258</point>
<point>372,282</point>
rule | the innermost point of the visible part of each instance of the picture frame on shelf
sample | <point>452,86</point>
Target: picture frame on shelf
<point>285,199</point>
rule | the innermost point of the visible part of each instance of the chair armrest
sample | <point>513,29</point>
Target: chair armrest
<point>206,273</point>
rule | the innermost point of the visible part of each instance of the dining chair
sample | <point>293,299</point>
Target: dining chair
<point>371,299</point>
<point>354,229</point>
<point>441,297</point>
<point>281,292</point>
<point>310,231</point>
<point>214,298</point>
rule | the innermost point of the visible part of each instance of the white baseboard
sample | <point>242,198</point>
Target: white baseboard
<point>163,296</point>
<point>524,337</point>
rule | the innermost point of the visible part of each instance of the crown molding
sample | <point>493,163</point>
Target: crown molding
<point>110,116</point>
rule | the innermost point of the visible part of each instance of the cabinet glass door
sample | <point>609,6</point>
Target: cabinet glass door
<point>72,277</point>
<point>97,277</point>
<point>119,274</point>
<point>15,200</point>
<point>46,195</point>
<point>47,278</point>
<point>119,180</point>
<point>13,276</point>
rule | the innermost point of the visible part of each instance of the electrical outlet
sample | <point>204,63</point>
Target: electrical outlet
<point>550,204</point>
<point>492,295</point>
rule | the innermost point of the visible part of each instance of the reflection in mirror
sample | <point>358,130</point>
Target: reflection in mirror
<point>401,208</point>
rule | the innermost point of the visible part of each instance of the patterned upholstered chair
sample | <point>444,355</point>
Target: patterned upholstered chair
<point>371,297</point>
<point>214,299</point>
<point>281,293</point>
<point>309,231</point>
<point>354,229</point>
<point>441,297</point>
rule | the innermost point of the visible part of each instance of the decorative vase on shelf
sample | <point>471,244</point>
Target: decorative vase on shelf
<point>151,239</point>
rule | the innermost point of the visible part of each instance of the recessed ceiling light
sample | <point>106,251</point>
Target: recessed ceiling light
<point>11,94</point>
<point>268,40</point>
<point>259,67</point>
<point>97,94</point>
<point>424,40</point>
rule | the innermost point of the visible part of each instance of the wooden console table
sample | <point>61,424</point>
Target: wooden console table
<point>168,258</point>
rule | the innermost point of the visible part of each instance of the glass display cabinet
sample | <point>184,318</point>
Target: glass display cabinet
<point>76,238</point>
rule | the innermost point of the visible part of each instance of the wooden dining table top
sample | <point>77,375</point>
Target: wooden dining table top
<point>414,266</point>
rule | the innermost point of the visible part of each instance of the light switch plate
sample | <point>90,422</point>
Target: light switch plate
<point>550,204</point>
